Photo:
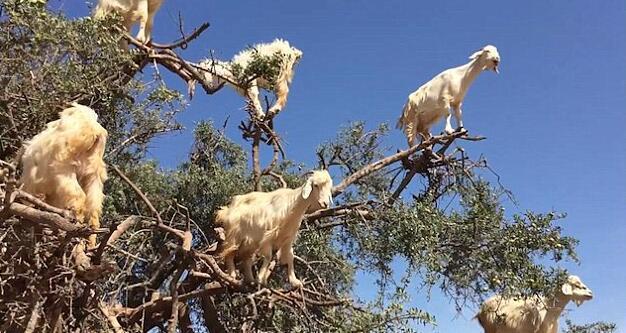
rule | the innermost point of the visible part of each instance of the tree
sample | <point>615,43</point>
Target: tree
<point>155,267</point>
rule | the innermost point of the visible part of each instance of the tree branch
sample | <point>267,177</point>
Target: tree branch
<point>377,165</point>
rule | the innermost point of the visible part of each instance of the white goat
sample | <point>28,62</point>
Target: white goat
<point>132,11</point>
<point>216,71</point>
<point>534,315</point>
<point>63,164</point>
<point>433,100</point>
<point>266,221</point>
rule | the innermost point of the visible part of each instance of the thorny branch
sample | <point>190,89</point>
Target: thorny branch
<point>445,139</point>
<point>165,56</point>
<point>257,130</point>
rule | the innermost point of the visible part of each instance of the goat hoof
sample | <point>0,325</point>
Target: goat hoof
<point>296,284</point>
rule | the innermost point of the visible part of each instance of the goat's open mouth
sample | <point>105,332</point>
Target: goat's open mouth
<point>495,66</point>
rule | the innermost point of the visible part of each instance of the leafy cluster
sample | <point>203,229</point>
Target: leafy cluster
<point>48,62</point>
<point>597,327</point>
<point>262,66</point>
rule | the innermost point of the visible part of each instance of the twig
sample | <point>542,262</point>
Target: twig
<point>256,164</point>
<point>34,318</point>
<point>156,214</point>
<point>122,227</point>
<point>278,177</point>
<point>403,184</point>
<point>336,211</point>
<point>117,328</point>
<point>185,40</point>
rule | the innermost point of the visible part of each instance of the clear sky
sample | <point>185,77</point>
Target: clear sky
<point>554,116</point>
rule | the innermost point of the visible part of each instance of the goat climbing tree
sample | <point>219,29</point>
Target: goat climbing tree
<point>155,268</point>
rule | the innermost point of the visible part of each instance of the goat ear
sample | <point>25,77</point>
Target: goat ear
<point>566,289</point>
<point>476,54</point>
<point>306,190</point>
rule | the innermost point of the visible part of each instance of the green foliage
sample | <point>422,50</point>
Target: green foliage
<point>597,327</point>
<point>215,172</point>
<point>261,66</point>
<point>48,61</point>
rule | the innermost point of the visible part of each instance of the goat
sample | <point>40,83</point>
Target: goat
<point>260,222</point>
<point>220,72</point>
<point>433,100</point>
<point>534,315</point>
<point>63,164</point>
<point>132,11</point>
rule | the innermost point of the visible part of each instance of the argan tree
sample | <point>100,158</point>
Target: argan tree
<point>431,206</point>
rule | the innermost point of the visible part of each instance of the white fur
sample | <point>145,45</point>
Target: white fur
<point>132,11</point>
<point>290,57</point>
<point>433,100</point>
<point>63,164</point>
<point>534,315</point>
<point>266,221</point>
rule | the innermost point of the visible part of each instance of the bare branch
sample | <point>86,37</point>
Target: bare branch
<point>375,166</point>
<point>185,40</point>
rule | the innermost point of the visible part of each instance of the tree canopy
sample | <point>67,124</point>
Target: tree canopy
<point>431,207</point>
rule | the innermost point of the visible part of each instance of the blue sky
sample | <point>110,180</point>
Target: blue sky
<point>554,117</point>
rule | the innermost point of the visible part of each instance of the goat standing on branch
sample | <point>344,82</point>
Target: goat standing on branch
<point>63,164</point>
<point>433,100</point>
<point>221,72</point>
<point>132,11</point>
<point>537,314</point>
<point>266,221</point>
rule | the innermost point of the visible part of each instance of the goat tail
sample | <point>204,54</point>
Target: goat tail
<point>402,121</point>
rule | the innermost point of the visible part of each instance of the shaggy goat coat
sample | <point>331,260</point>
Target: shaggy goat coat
<point>534,315</point>
<point>132,11</point>
<point>220,72</point>
<point>261,222</point>
<point>63,164</point>
<point>433,100</point>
